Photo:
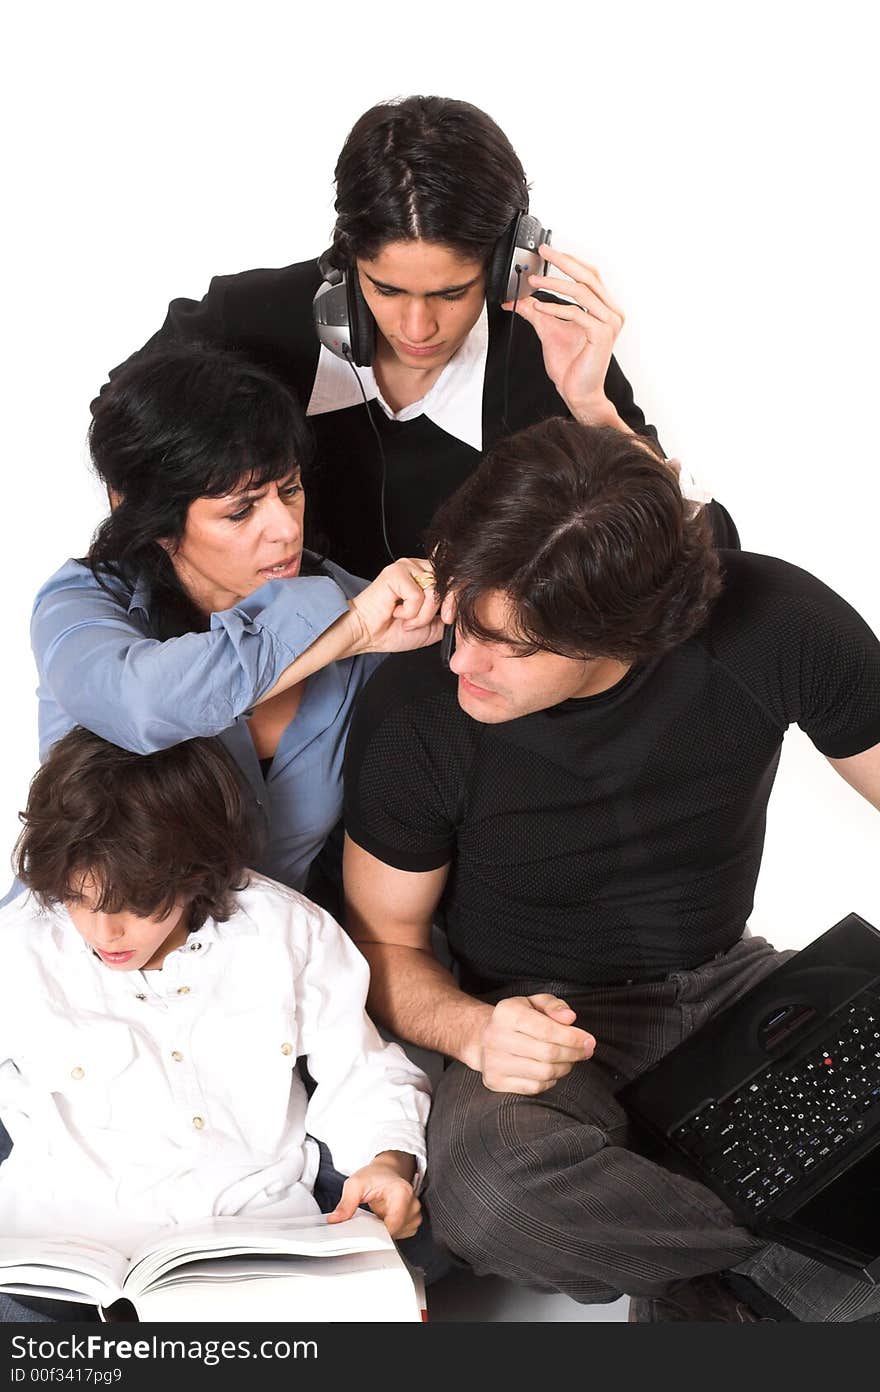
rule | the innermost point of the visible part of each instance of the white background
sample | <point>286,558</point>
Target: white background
<point>720,168</point>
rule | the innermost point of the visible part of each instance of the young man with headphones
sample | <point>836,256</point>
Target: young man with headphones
<point>399,340</point>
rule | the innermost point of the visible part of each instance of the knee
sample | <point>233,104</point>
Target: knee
<point>506,1144</point>
<point>495,1164</point>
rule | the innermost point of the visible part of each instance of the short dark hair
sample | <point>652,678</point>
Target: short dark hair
<point>147,829</point>
<point>587,535</point>
<point>178,423</point>
<point>425,167</point>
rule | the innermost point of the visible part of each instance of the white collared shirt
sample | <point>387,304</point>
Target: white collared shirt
<point>454,402</point>
<point>136,1099</point>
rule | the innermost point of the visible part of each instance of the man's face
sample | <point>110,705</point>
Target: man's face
<point>425,299</point>
<point>124,941</point>
<point>496,682</point>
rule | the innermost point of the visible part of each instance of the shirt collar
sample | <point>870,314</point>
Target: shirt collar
<point>140,597</point>
<point>454,402</point>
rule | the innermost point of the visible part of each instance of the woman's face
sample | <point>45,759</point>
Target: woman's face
<point>425,298</point>
<point>234,544</point>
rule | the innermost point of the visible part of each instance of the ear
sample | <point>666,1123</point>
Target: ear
<point>448,609</point>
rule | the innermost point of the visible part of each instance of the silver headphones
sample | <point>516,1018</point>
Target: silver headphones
<point>346,327</point>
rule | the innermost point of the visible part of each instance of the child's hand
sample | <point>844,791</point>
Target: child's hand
<point>385,1188</point>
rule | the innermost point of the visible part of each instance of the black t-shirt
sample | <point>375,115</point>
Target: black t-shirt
<point>267,314</point>
<point>619,836</point>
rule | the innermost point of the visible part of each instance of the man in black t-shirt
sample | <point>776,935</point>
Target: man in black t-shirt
<point>583,795</point>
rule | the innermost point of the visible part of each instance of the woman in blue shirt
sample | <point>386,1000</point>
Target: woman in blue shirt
<point>198,612</point>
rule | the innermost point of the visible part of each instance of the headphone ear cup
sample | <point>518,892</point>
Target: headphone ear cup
<point>501,264</point>
<point>361,324</point>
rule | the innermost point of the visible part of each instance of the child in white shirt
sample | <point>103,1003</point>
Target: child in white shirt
<point>155,997</point>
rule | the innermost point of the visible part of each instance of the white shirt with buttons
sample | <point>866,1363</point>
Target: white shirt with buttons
<point>136,1099</point>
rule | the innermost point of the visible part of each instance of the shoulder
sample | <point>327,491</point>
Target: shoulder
<point>73,595</point>
<point>408,762</point>
<point>272,910</point>
<point>77,578</point>
<point>17,916</point>
<point>408,732</point>
<point>266,313</point>
<point>766,591</point>
<point>800,650</point>
<point>76,575</point>
<point>349,584</point>
<point>27,933</point>
<point>270,290</point>
<point>263,901</point>
<point>281,919</point>
<point>415,684</point>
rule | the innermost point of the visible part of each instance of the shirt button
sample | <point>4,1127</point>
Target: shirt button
<point>287,1048</point>
<point>140,996</point>
<point>177,1055</point>
<point>198,1123</point>
<point>183,990</point>
<point>195,947</point>
<point>77,1073</point>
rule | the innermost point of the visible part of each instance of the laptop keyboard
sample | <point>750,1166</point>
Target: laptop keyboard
<point>793,1117</point>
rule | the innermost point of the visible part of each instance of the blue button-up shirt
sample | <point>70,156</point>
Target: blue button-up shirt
<point>101,666</point>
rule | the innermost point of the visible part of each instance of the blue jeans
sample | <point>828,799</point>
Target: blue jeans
<point>15,1309</point>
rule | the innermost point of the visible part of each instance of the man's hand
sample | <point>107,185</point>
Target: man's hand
<point>398,611</point>
<point>529,1043</point>
<point>386,1187</point>
<point>577,339</point>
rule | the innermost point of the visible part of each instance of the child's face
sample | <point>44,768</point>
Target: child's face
<point>124,941</point>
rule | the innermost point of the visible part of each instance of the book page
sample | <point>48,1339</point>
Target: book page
<point>365,1286</point>
<point>249,1236</point>
<point>74,1268</point>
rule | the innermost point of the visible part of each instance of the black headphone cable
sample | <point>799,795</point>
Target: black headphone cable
<point>348,358</point>
<point>504,421</point>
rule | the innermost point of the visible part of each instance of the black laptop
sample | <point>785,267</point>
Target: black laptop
<point>775,1104</point>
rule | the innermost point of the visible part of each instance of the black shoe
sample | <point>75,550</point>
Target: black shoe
<point>706,1298</point>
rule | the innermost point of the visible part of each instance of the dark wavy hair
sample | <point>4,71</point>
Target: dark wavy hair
<point>175,424</point>
<point>145,829</point>
<point>425,167</point>
<point>587,535</point>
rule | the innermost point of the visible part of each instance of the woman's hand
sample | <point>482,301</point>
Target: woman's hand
<point>384,1187</point>
<point>577,339</point>
<point>398,611</point>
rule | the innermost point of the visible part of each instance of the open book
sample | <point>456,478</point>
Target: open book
<point>243,1269</point>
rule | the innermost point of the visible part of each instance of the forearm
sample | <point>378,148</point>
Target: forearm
<point>599,411</point>
<point>342,639</point>
<point>862,772</point>
<point>396,612</point>
<point>106,671</point>
<point>399,1161</point>
<point>419,1000</point>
